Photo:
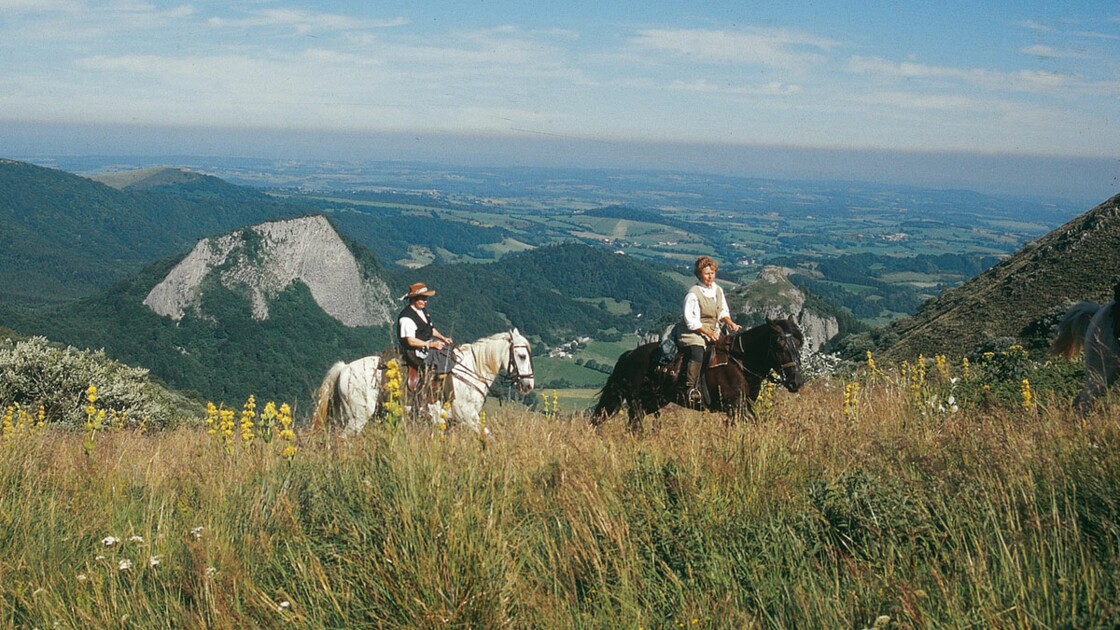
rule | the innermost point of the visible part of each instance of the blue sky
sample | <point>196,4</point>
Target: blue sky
<point>701,85</point>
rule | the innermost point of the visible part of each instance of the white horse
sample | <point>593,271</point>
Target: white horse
<point>1091,327</point>
<point>350,393</point>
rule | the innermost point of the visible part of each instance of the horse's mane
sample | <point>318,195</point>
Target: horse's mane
<point>764,327</point>
<point>483,349</point>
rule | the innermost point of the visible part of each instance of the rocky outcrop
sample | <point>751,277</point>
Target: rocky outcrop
<point>263,260</point>
<point>774,296</point>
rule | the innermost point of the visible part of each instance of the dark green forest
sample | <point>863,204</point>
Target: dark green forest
<point>66,236</point>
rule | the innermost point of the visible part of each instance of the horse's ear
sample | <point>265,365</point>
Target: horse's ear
<point>514,332</point>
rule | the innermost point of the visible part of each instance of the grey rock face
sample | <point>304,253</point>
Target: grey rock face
<point>263,260</point>
<point>785,299</point>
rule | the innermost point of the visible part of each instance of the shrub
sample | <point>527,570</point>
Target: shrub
<point>34,373</point>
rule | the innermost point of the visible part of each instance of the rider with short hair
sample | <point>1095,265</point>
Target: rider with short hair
<point>704,308</point>
<point>420,342</point>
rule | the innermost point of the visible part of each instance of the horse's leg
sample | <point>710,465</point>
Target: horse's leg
<point>634,413</point>
<point>465,409</point>
<point>1100,369</point>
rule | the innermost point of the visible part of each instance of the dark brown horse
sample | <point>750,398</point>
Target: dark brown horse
<point>731,379</point>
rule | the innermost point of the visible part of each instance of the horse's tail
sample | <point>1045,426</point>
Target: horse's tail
<point>613,392</point>
<point>1072,329</point>
<point>327,394</point>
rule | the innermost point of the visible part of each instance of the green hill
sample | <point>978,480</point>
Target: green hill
<point>66,236</point>
<point>551,293</point>
<point>1022,296</point>
<point>224,355</point>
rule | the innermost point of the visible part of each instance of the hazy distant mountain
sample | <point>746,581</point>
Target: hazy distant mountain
<point>1021,296</point>
<point>64,236</point>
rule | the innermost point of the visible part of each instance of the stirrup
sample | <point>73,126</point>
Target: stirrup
<point>694,396</point>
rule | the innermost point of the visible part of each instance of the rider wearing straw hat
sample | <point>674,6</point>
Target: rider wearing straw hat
<point>420,342</point>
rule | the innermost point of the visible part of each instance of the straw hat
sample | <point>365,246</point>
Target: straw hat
<point>418,289</point>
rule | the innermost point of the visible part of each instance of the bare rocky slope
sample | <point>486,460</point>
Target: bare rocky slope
<point>1019,296</point>
<point>263,260</point>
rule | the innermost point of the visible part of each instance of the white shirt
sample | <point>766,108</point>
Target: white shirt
<point>692,306</point>
<point>408,327</point>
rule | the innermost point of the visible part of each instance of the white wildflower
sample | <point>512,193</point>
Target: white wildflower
<point>109,541</point>
<point>153,561</point>
<point>136,539</point>
<point>125,565</point>
<point>82,577</point>
<point>285,604</point>
<point>196,532</point>
<point>99,558</point>
<point>210,571</point>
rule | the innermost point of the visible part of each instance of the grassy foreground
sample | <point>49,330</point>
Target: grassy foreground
<point>827,511</point>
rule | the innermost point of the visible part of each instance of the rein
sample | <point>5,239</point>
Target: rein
<point>478,383</point>
<point>773,355</point>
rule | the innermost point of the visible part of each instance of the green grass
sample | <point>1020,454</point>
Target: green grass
<point>820,513</point>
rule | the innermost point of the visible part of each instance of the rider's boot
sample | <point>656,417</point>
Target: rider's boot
<point>692,394</point>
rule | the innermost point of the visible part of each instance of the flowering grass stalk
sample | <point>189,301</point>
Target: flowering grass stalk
<point>248,413</point>
<point>1028,395</point>
<point>393,405</point>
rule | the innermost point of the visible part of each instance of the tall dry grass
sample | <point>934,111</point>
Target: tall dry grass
<point>823,512</point>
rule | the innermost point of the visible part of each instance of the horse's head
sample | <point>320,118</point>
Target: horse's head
<point>785,351</point>
<point>772,347</point>
<point>520,365</point>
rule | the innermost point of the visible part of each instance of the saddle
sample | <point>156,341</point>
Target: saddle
<point>715,355</point>
<point>429,386</point>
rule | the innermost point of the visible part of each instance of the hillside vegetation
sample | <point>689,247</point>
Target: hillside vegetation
<point>222,353</point>
<point>1024,295</point>
<point>551,293</point>
<point>67,236</point>
<point>850,505</point>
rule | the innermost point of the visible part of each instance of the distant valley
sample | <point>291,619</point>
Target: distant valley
<point>854,243</point>
<point>598,256</point>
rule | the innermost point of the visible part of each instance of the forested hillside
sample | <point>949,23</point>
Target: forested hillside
<point>1024,295</point>
<point>66,236</point>
<point>552,293</point>
<point>225,355</point>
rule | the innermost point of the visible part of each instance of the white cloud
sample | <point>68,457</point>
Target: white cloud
<point>771,48</point>
<point>1049,52</point>
<point>1011,82</point>
<point>28,6</point>
<point>304,21</point>
<point>1034,25</point>
<point>773,88</point>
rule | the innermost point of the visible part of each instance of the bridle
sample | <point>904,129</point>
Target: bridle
<point>792,347</point>
<point>513,373</point>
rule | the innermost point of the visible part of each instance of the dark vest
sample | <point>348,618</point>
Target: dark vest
<point>423,332</point>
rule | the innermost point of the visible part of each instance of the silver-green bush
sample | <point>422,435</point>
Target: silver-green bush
<point>34,372</point>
